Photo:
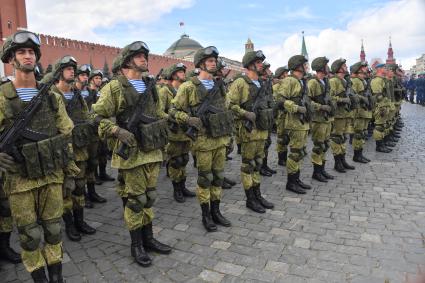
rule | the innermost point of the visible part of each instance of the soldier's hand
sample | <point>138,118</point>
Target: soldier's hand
<point>250,116</point>
<point>7,163</point>
<point>326,108</point>
<point>194,122</point>
<point>301,109</point>
<point>125,137</point>
<point>345,100</point>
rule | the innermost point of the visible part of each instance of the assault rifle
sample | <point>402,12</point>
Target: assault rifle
<point>305,117</point>
<point>368,94</point>
<point>18,129</point>
<point>324,99</point>
<point>259,101</point>
<point>138,116</point>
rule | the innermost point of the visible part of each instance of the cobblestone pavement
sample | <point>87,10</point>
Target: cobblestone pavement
<point>364,226</point>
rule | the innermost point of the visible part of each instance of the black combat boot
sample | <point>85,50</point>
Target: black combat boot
<point>326,174</point>
<point>6,252</point>
<point>380,147</point>
<point>229,181</point>
<point>206,218</point>
<point>252,202</point>
<point>304,186</point>
<point>103,175</point>
<point>345,164</point>
<point>282,158</point>
<point>150,243</point>
<point>39,275</point>
<point>338,164</point>
<point>55,273</point>
<point>185,191</point>
<point>225,186</point>
<point>264,172</point>
<point>137,251</point>
<point>364,157</point>
<point>358,157</point>
<point>216,215</point>
<point>317,174</point>
<point>80,224</point>
<point>87,201</point>
<point>178,195</point>
<point>98,180</point>
<point>257,193</point>
<point>70,230</point>
<point>292,185</point>
<point>93,196</point>
<point>266,167</point>
<point>396,135</point>
<point>388,142</point>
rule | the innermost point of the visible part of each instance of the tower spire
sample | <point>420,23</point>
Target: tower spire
<point>304,47</point>
<point>362,53</point>
<point>390,53</point>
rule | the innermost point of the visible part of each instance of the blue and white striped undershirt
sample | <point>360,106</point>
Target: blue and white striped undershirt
<point>257,83</point>
<point>139,85</point>
<point>68,95</point>
<point>208,84</point>
<point>26,94</point>
<point>85,93</point>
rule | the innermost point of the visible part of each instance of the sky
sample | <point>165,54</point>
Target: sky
<point>332,28</point>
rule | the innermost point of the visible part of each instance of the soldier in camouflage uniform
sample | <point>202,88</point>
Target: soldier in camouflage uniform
<point>34,185</point>
<point>363,112</point>
<point>82,135</point>
<point>179,144</point>
<point>321,126</point>
<point>282,137</point>
<point>289,98</point>
<point>244,94</point>
<point>136,153</point>
<point>211,132</point>
<point>381,110</point>
<point>338,92</point>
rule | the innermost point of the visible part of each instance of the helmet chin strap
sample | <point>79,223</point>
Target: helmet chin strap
<point>23,68</point>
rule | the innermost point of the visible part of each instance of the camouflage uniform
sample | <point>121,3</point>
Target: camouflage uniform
<point>282,136</point>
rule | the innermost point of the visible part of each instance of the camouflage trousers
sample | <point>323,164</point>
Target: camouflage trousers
<point>178,154</point>
<point>6,222</point>
<point>338,139</point>
<point>320,135</point>
<point>252,158</point>
<point>139,186</point>
<point>297,148</point>
<point>360,128</point>
<point>380,115</point>
<point>282,141</point>
<point>42,204</point>
<point>75,199</point>
<point>210,164</point>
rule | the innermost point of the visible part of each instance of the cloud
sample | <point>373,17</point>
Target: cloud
<point>402,20</point>
<point>79,19</point>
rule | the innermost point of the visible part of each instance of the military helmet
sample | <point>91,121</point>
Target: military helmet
<point>266,65</point>
<point>296,61</point>
<point>132,49</point>
<point>95,73</point>
<point>116,64</point>
<point>279,71</point>
<point>337,64</point>
<point>174,69</point>
<point>252,56</point>
<point>47,77</point>
<point>204,53</point>
<point>193,73</point>
<point>20,39</point>
<point>221,64</point>
<point>355,68</point>
<point>84,69</point>
<point>319,63</point>
<point>64,62</point>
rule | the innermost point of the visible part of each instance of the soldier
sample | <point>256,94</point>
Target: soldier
<point>381,107</point>
<point>210,138</point>
<point>265,169</point>
<point>391,137</point>
<point>95,82</point>
<point>411,88</point>
<point>363,113</point>
<point>76,107</point>
<point>179,144</point>
<point>318,91</point>
<point>290,98</point>
<point>245,93</point>
<point>33,185</point>
<point>136,154</point>
<point>338,91</point>
<point>282,136</point>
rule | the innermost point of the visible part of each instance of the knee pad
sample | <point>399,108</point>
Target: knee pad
<point>136,203</point>
<point>52,231</point>
<point>218,177</point>
<point>258,163</point>
<point>151,196</point>
<point>185,159</point>
<point>176,162</point>
<point>337,139</point>
<point>358,136</point>
<point>30,236</point>
<point>318,147</point>
<point>79,188</point>
<point>380,128</point>
<point>5,208</point>
<point>295,154</point>
<point>248,166</point>
<point>205,179</point>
